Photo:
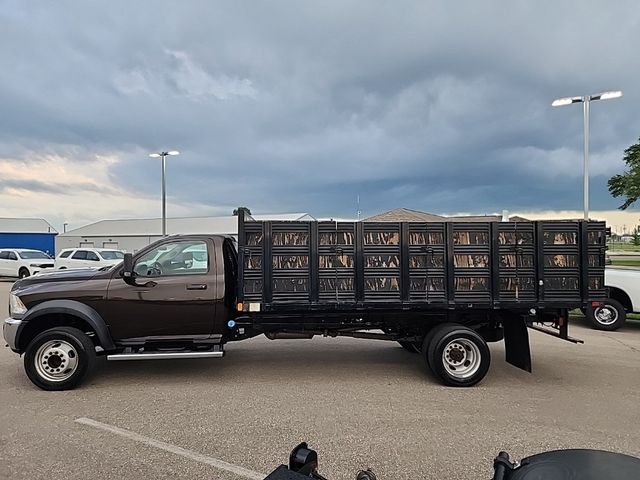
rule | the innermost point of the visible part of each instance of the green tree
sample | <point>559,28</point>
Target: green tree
<point>236,211</point>
<point>627,185</point>
<point>636,236</point>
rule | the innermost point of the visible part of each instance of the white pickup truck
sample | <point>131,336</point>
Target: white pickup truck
<point>624,297</point>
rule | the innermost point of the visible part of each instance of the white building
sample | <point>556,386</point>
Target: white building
<point>133,234</point>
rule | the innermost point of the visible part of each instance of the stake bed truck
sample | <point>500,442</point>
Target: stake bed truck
<point>442,290</point>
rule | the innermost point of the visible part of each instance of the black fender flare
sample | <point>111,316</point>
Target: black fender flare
<point>73,308</point>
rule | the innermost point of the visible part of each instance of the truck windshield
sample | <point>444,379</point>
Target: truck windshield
<point>180,257</point>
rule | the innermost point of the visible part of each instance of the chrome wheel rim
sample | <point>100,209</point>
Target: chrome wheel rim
<point>461,358</point>
<point>56,360</point>
<point>606,315</point>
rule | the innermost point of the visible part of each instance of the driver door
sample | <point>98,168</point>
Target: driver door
<point>174,295</point>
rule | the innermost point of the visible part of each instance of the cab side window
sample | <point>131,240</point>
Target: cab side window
<point>92,256</point>
<point>12,256</point>
<point>65,253</point>
<point>4,255</point>
<point>186,257</point>
<point>80,255</point>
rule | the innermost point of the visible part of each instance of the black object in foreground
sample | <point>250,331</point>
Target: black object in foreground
<point>569,465</point>
<point>303,463</point>
<point>579,464</point>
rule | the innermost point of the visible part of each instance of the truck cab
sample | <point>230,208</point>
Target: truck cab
<point>177,297</point>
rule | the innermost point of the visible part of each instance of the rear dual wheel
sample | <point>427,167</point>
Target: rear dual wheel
<point>457,355</point>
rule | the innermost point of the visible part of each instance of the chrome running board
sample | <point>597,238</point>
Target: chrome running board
<point>165,355</point>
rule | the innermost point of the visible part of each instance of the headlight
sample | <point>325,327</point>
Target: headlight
<point>16,307</point>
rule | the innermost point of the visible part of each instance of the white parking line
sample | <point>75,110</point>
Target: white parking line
<point>198,457</point>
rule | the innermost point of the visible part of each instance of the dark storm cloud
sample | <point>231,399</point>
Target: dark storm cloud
<point>31,185</point>
<point>50,186</point>
<point>302,106</point>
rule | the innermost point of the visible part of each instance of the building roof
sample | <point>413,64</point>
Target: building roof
<point>227,225</point>
<point>518,218</point>
<point>25,225</point>
<point>407,215</point>
<point>474,218</point>
<point>483,218</point>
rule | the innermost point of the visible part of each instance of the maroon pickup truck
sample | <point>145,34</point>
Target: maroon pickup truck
<point>442,290</point>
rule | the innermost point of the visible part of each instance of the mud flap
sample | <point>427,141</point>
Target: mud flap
<point>516,343</point>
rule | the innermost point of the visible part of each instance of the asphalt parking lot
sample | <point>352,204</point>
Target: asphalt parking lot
<point>359,403</point>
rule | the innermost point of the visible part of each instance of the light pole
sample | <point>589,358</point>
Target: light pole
<point>163,155</point>
<point>586,101</point>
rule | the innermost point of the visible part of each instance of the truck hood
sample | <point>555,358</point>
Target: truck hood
<point>627,273</point>
<point>70,275</point>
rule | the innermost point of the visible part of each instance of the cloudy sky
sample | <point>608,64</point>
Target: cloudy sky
<point>302,106</point>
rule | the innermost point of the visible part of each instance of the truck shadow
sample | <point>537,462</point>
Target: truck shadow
<point>281,361</point>
<point>322,362</point>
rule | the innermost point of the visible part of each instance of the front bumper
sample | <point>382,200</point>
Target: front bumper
<point>10,332</point>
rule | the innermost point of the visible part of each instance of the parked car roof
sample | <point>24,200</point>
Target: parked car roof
<point>95,249</point>
<point>22,249</point>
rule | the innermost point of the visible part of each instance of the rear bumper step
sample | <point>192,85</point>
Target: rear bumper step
<point>164,355</point>
<point>555,333</point>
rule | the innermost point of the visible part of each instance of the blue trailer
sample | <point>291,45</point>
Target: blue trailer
<point>33,233</point>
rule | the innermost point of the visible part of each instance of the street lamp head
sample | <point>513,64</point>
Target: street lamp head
<point>607,95</point>
<point>164,154</point>
<point>559,102</point>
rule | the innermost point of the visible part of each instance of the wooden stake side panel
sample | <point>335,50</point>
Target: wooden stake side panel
<point>474,264</point>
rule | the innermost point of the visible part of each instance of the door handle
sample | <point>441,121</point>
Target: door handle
<point>197,286</point>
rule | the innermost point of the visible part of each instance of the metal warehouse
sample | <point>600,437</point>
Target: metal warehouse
<point>34,233</point>
<point>131,235</point>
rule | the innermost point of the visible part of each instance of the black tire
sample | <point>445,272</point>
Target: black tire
<point>427,340</point>
<point>409,346</point>
<point>468,354</point>
<point>72,345</point>
<point>611,316</point>
<point>23,273</point>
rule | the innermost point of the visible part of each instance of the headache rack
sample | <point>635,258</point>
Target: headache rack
<point>419,265</point>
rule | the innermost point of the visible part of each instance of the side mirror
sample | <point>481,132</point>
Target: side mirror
<point>127,266</point>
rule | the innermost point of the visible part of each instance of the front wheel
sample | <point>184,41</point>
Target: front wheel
<point>457,355</point>
<point>23,273</point>
<point>59,358</point>
<point>610,316</point>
